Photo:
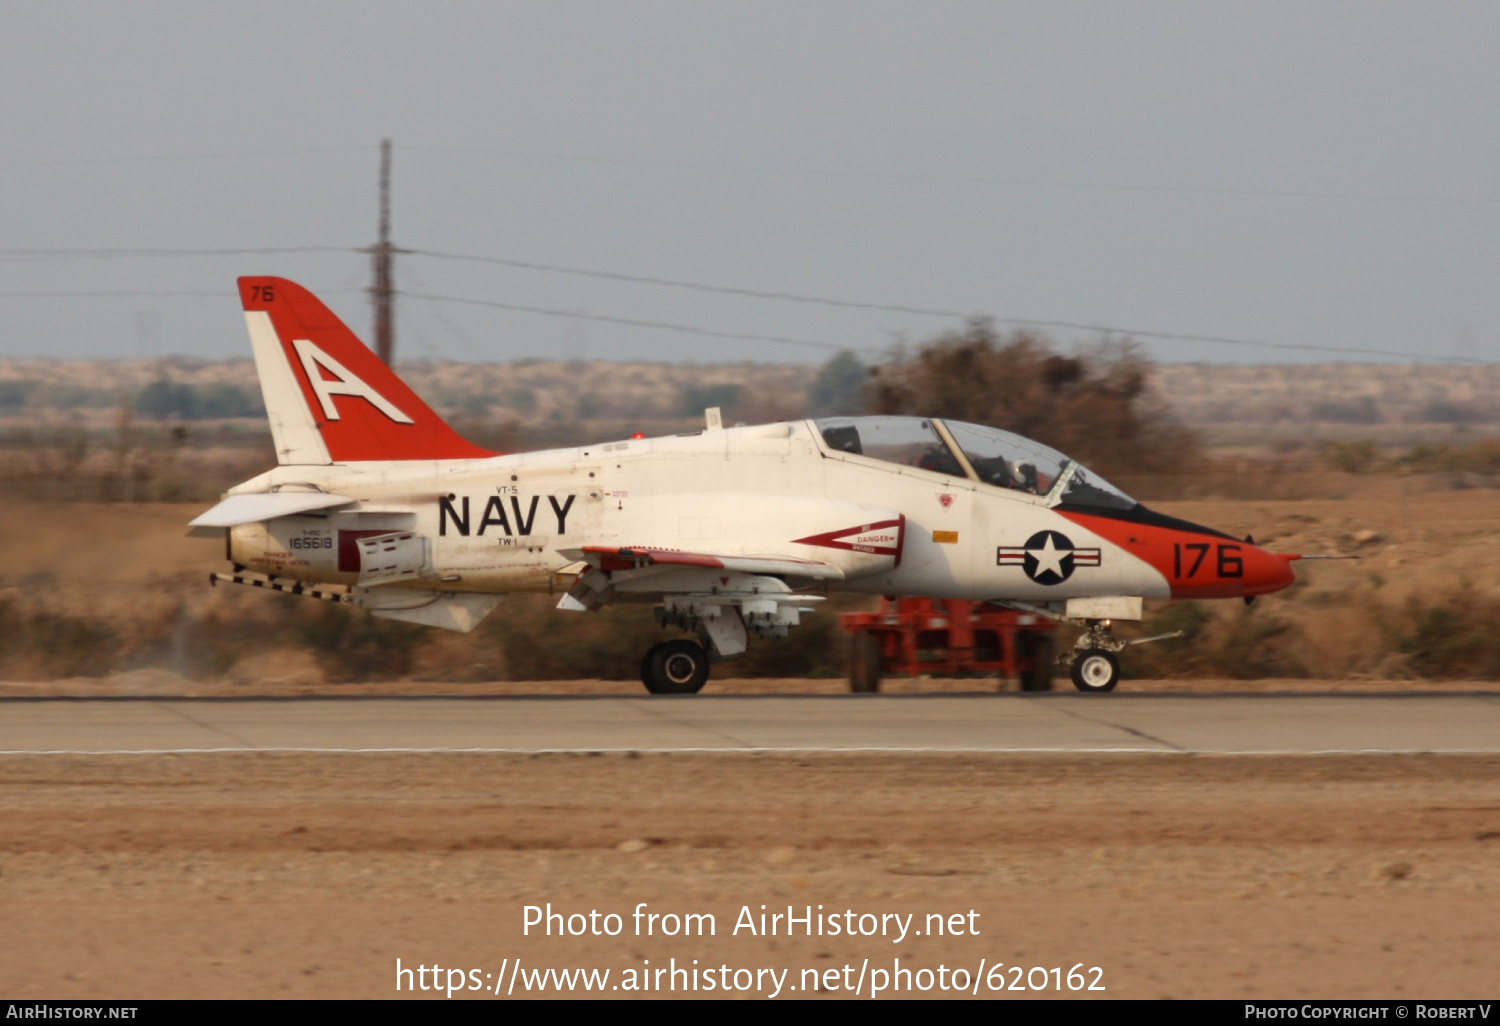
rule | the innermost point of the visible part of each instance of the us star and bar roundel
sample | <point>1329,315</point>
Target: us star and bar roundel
<point>1048,557</point>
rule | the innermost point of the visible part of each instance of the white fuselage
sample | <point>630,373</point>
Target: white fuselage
<point>515,523</point>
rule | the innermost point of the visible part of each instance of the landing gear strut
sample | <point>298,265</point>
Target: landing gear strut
<point>675,668</point>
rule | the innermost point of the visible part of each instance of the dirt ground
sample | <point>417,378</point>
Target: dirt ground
<point>305,875</point>
<point>1182,876</point>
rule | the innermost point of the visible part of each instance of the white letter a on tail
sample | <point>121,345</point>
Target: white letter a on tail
<point>347,384</point>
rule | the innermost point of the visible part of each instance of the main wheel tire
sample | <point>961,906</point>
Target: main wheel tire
<point>675,668</point>
<point>865,664</point>
<point>1096,671</point>
<point>1039,649</point>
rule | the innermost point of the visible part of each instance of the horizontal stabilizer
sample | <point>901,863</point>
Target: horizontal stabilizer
<point>257,506</point>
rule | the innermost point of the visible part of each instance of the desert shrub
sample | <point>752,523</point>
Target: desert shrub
<point>167,399</point>
<point>839,387</point>
<point>697,398</point>
<point>14,394</point>
<point>528,638</point>
<point>1174,657</point>
<point>163,398</point>
<point>208,644</point>
<point>1361,411</point>
<point>1350,457</point>
<point>1443,636</point>
<point>70,397</point>
<point>41,644</point>
<point>225,401</point>
<point>814,648</point>
<point>355,646</point>
<point>522,400</point>
<point>71,646</point>
<point>538,642</point>
<point>1483,457</point>
<point>1257,644</point>
<point>1444,412</point>
<point>1456,635</point>
<point>1245,643</point>
<point>132,463</point>
<point>1095,407</point>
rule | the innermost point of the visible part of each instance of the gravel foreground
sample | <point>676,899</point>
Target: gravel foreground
<point>1179,876</point>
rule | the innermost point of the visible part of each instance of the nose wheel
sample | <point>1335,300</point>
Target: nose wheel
<point>675,668</point>
<point>1095,671</point>
<point>1095,668</point>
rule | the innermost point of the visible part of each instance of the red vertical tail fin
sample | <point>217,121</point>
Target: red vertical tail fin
<point>328,397</point>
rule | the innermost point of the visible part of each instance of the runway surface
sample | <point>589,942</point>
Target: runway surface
<point>1224,724</point>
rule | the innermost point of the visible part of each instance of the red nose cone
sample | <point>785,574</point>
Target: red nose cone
<point>1266,572</point>
<point>1197,562</point>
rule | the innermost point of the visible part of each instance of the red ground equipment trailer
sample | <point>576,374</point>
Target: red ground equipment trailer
<point>948,638</point>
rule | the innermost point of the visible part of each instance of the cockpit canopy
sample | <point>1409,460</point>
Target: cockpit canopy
<point>989,455</point>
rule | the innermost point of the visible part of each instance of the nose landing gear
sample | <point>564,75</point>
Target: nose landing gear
<point>1095,668</point>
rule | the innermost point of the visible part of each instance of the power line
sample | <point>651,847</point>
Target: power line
<point>1168,336</point>
<point>225,293</point>
<point>133,253</point>
<point>172,157</point>
<point>631,322</point>
<point>728,290</point>
<point>1024,181</point>
<point>1007,180</point>
<point>704,287</point>
<point>924,311</point>
<point>69,294</point>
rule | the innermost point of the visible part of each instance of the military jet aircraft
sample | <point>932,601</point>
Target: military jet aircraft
<point>729,532</point>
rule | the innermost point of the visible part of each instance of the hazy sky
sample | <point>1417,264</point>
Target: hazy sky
<point>1301,172</point>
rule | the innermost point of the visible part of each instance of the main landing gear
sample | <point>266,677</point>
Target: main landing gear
<point>675,668</point>
<point>731,606</point>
